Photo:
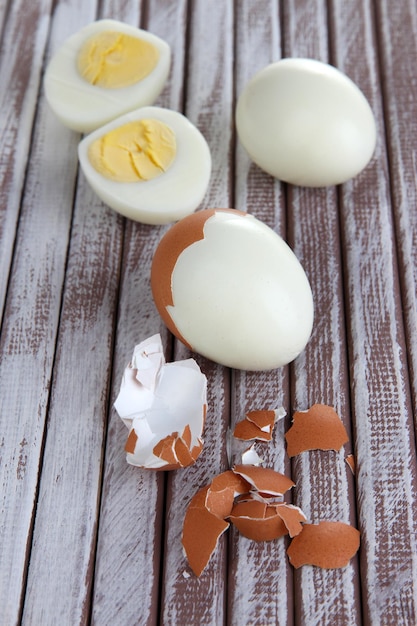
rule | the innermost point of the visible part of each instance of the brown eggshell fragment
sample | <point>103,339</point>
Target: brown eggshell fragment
<point>222,492</point>
<point>351,462</point>
<point>319,428</point>
<point>264,420</point>
<point>327,544</point>
<point>247,431</point>
<point>131,442</point>
<point>201,532</point>
<point>264,479</point>
<point>164,405</point>
<point>292,516</point>
<point>257,520</point>
<point>165,449</point>
<point>175,241</point>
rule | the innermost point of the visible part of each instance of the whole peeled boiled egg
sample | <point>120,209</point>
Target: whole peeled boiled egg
<point>232,290</point>
<point>151,165</point>
<point>306,123</point>
<point>104,70</point>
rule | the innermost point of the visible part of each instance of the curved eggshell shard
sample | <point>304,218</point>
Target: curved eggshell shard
<point>257,520</point>
<point>319,428</point>
<point>264,420</point>
<point>327,545</point>
<point>222,492</point>
<point>164,405</point>
<point>264,479</point>
<point>232,290</point>
<point>292,516</point>
<point>246,430</point>
<point>201,532</point>
<point>175,241</point>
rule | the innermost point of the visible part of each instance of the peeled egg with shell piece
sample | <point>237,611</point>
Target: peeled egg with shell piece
<point>306,123</point>
<point>103,71</point>
<point>232,290</point>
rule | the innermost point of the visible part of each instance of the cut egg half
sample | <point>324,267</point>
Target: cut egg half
<point>103,71</point>
<point>151,165</point>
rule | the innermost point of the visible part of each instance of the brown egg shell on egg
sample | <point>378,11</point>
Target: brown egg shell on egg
<point>231,289</point>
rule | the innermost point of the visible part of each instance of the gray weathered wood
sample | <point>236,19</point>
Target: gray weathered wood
<point>86,538</point>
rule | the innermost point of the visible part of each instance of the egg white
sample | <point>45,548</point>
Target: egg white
<point>240,295</point>
<point>306,123</point>
<point>168,197</point>
<point>84,107</point>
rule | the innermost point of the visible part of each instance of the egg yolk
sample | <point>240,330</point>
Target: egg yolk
<point>136,151</point>
<point>113,60</point>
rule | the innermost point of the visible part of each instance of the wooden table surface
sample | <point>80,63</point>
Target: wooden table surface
<point>86,538</point>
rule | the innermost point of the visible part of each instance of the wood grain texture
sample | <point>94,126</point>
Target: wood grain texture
<point>324,486</point>
<point>23,42</point>
<point>380,385</point>
<point>256,595</point>
<point>399,89</point>
<point>130,540</point>
<point>86,538</point>
<point>209,105</point>
<point>30,327</point>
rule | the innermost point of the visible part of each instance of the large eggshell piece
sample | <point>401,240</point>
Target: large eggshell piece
<point>232,290</point>
<point>306,123</point>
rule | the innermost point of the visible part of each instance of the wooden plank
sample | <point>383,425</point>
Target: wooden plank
<point>72,455</point>
<point>260,579</point>
<point>395,26</point>
<point>23,43</point>
<point>32,310</point>
<point>132,509</point>
<point>386,480</point>
<point>325,489</point>
<point>208,104</point>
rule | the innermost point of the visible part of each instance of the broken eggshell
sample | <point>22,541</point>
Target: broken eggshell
<point>318,428</point>
<point>164,406</point>
<point>263,521</point>
<point>258,425</point>
<point>231,289</point>
<point>328,545</point>
<point>206,515</point>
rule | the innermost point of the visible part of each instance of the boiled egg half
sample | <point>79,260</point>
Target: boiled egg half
<point>306,123</point>
<point>151,165</point>
<point>104,70</point>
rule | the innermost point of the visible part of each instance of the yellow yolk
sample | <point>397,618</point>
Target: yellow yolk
<point>112,60</point>
<point>133,152</point>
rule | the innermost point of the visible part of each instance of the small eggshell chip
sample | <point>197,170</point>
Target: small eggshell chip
<point>179,186</point>
<point>327,544</point>
<point>306,123</point>
<point>257,425</point>
<point>292,516</point>
<point>232,290</point>
<point>164,406</point>
<point>319,428</point>
<point>74,85</point>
